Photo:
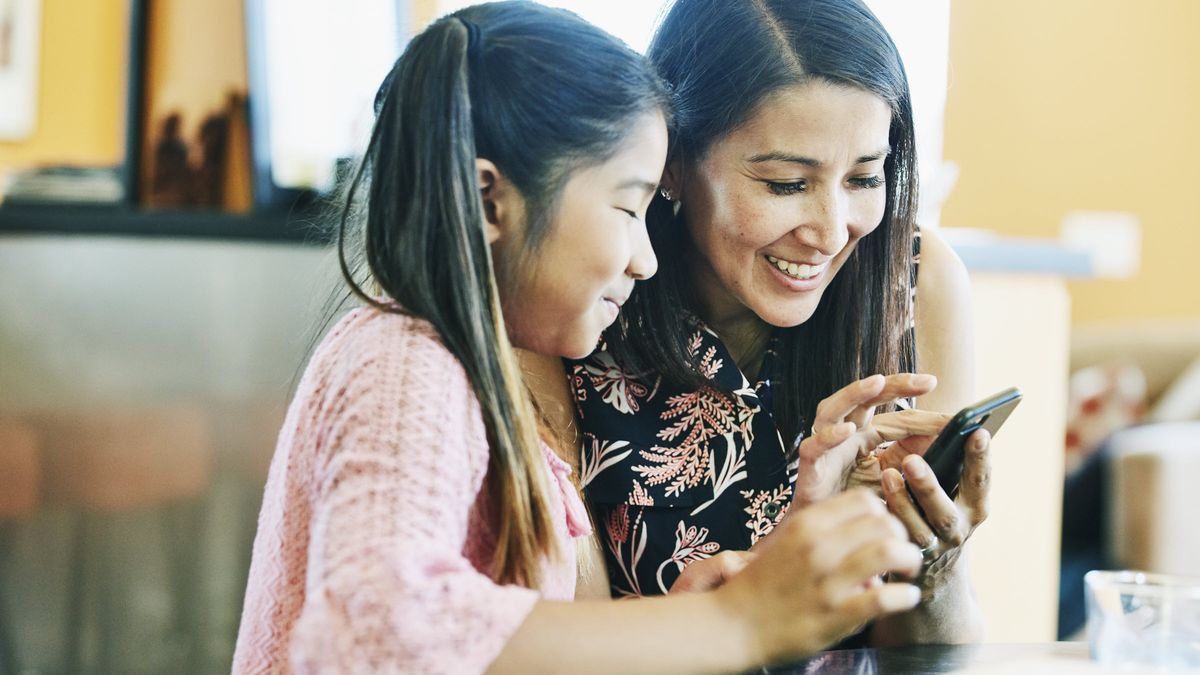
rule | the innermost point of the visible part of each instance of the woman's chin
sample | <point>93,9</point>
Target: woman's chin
<point>785,317</point>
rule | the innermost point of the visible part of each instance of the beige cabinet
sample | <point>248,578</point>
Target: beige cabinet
<point>1022,330</point>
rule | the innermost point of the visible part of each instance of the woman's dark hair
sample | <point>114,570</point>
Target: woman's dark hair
<point>723,59</point>
<point>540,93</point>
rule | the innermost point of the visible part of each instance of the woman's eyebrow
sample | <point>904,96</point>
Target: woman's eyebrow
<point>875,156</point>
<point>778,156</point>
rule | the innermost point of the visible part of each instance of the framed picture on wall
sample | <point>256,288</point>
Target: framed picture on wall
<point>20,33</point>
<point>230,119</point>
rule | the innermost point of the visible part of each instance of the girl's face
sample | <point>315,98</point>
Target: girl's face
<point>574,283</point>
<point>777,206</point>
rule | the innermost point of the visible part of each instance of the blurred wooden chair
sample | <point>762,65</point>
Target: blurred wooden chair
<point>20,474</point>
<point>100,462</point>
<point>1154,498</point>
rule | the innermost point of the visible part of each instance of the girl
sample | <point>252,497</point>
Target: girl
<point>785,231</point>
<point>413,520</point>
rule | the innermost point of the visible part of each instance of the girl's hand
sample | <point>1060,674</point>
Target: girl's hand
<point>946,524</point>
<point>815,579</point>
<point>840,450</point>
<point>709,573</point>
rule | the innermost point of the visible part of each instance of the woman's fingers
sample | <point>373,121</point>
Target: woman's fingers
<point>894,426</point>
<point>845,401</point>
<point>903,508</point>
<point>824,439</point>
<point>976,478</point>
<point>897,386</point>
<point>856,402</point>
<point>941,513</point>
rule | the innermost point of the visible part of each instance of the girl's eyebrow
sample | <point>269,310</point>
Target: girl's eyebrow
<point>638,183</point>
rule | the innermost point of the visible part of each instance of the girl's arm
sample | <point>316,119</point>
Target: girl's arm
<point>807,586</point>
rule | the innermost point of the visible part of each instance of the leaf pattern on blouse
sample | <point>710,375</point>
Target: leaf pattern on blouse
<point>766,509</point>
<point>690,546</point>
<point>654,465</point>
<point>614,387</point>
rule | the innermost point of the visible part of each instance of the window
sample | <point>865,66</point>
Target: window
<point>921,31</point>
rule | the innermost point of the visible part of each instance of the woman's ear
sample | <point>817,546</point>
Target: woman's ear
<point>503,206</point>
<point>670,181</point>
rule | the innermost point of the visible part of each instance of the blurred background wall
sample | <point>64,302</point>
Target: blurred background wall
<point>1082,105</point>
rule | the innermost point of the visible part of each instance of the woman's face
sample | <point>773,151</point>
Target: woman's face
<point>777,206</point>
<point>573,285</point>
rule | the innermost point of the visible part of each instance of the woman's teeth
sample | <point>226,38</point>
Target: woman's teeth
<point>796,270</point>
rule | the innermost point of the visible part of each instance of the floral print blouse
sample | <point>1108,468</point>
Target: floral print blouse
<point>673,475</point>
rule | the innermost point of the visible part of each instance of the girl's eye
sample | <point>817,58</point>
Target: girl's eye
<point>784,189</point>
<point>867,182</point>
<point>631,214</point>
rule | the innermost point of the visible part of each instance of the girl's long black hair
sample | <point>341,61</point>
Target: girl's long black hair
<point>540,93</point>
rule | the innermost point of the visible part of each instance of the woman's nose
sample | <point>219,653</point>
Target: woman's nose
<point>825,226</point>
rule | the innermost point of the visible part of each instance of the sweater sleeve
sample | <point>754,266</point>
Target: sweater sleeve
<point>389,588</point>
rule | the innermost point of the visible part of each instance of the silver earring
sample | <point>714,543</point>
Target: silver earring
<point>666,194</point>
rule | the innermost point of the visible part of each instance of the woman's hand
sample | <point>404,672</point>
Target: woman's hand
<point>840,452</point>
<point>815,579</point>
<point>946,524</point>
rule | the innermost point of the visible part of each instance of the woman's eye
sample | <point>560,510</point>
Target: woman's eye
<point>631,214</point>
<point>868,182</point>
<point>784,189</point>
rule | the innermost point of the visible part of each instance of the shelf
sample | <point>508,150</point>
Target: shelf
<point>299,225</point>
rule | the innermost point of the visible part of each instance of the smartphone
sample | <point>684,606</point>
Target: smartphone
<point>945,456</point>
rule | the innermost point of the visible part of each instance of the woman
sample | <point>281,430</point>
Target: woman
<point>788,254</point>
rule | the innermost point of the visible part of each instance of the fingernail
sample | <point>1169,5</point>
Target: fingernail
<point>914,469</point>
<point>924,380</point>
<point>892,482</point>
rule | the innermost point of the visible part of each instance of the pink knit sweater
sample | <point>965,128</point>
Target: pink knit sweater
<point>373,544</point>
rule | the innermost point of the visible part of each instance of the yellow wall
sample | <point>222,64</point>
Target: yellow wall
<point>81,86</point>
<point>1082,104</point>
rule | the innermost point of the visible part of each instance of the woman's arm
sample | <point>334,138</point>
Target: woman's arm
<point>945,348</point>
<point>944,326</point>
